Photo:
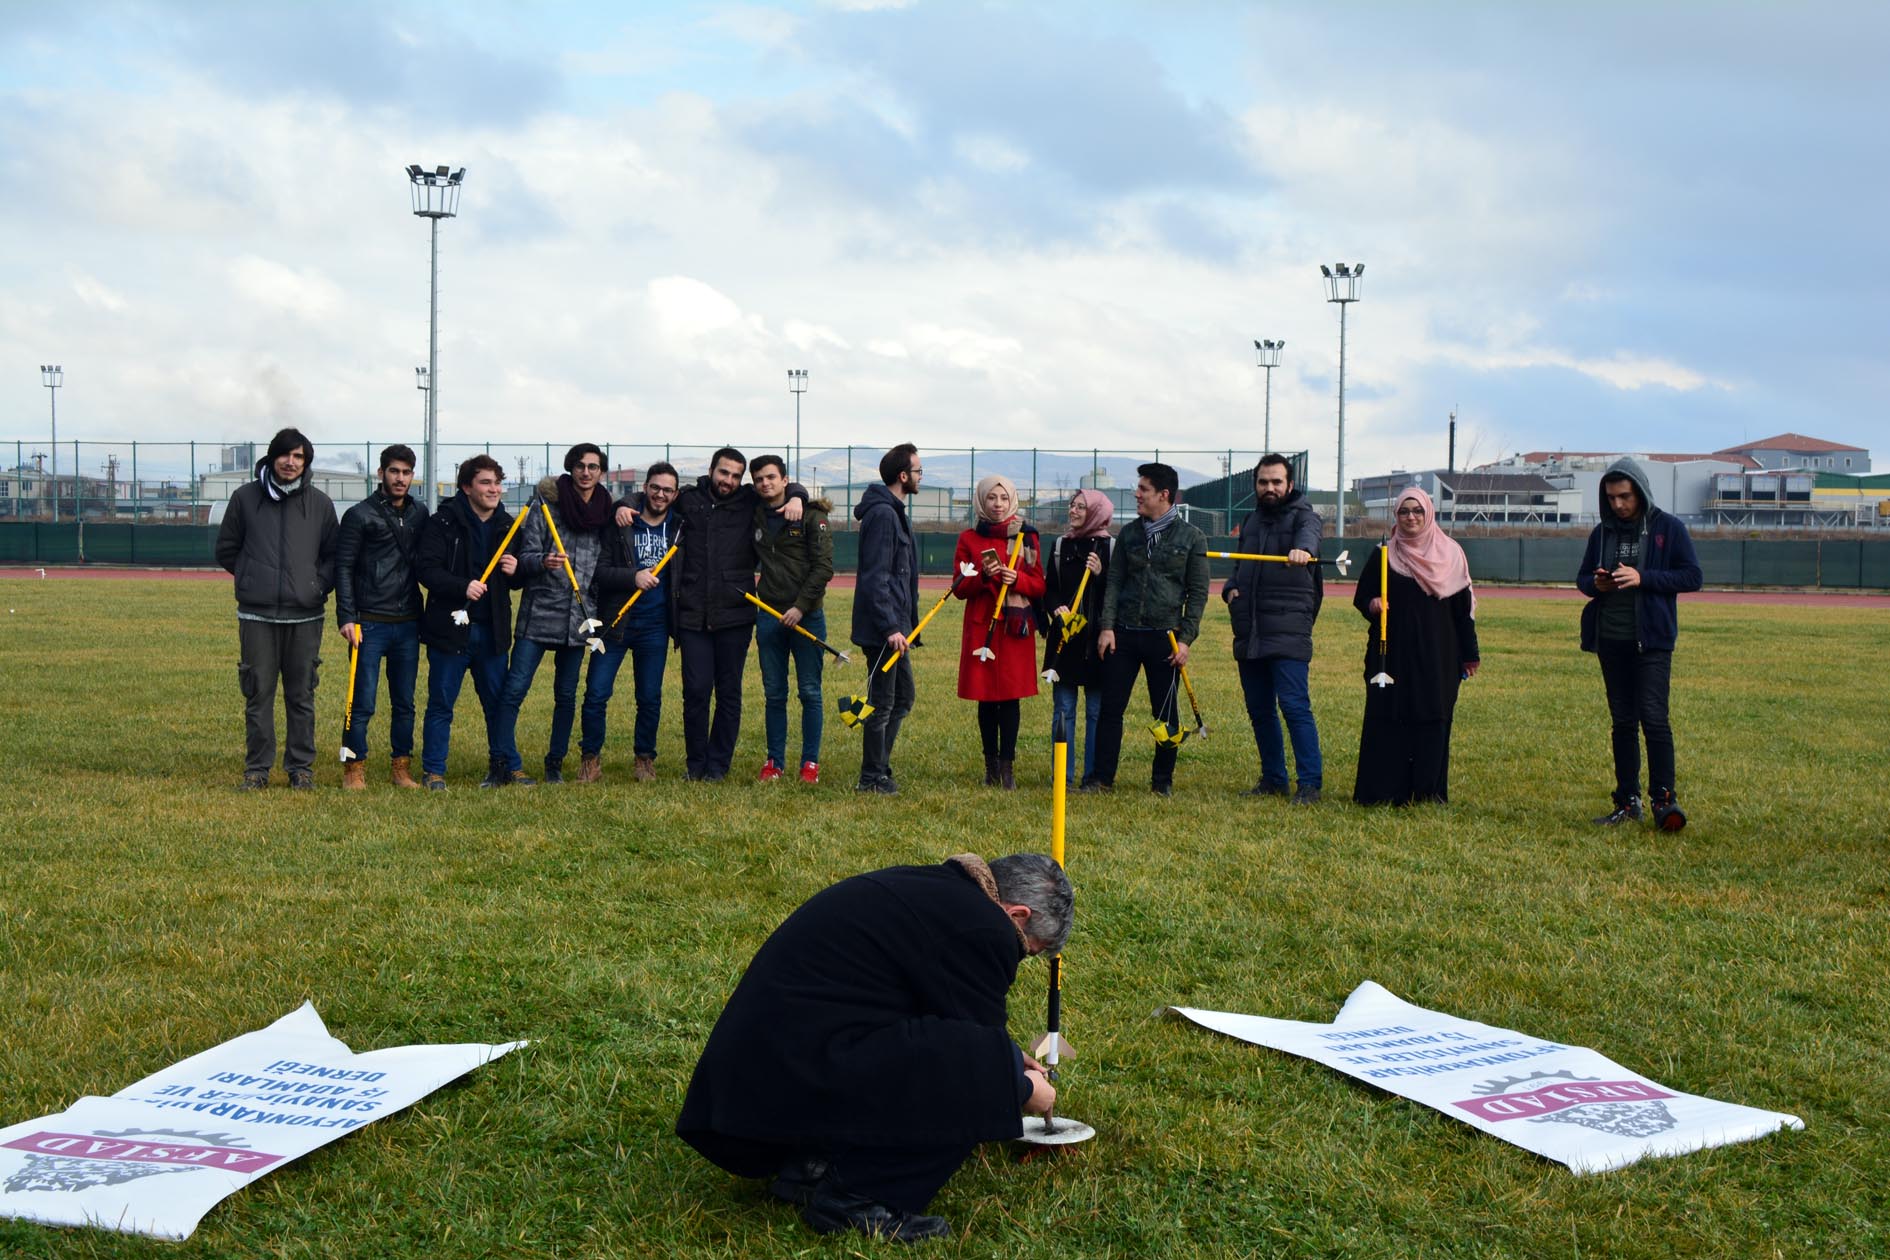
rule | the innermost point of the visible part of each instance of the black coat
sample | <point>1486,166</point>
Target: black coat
<point>1076,662</point>
<point>282,551</point>
<point>886,590</point>
<point>446,560</point>
<point>718,558</point>
<point>1272,605</point>
<point>874,1016</point>
<point>375,576</point>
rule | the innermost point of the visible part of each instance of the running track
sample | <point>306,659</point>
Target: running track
<point>844,581</point>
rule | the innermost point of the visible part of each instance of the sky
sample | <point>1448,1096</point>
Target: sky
<point>1586,226</point>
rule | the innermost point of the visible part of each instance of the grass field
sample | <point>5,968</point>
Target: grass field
<point>150,911</point>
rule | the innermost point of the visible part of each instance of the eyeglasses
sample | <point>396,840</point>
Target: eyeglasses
<point>663,490</point>
<point>590,468</point>
<point>1410,511</point>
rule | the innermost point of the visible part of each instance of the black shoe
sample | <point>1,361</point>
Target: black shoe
<point>1667,813</point>
<point>436,783</point>
<point>253,781</point>
<point>833,1211</point>
<point>1096,785</point>
<point>302,780</point>
<point>798,1182</point>
<point>554,771</point>
<point>1263,788</point>
<point>1162,789</point>
<point>1630,812</point>
<point>1305,795</point>
<point>496,777</point>
<point>879,783</point>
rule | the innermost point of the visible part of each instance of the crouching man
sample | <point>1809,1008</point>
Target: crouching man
<point>865,1052</point>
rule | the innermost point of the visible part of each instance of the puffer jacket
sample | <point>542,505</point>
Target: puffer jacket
<point>375,578</point>
<point>548,610</point>
<point>282,551</point>
<point>886,590</point>
<point>717,560</point>
<point>796,557</point>
<point>1273,606</point>
<point>446,560</point>
<point>1165,588</point>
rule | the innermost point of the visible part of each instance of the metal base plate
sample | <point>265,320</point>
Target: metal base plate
<point>1067,1132</point>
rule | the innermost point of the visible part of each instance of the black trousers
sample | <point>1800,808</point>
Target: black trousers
<point>268,652</point>
<point>1637,685</point>
<point>712,664</point>
<point>891,693</point>
<point>1137,652</point>
<point>997,727</point>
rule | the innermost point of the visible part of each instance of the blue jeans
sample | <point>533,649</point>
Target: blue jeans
<point>600,683</point>
<point>1064,697</point>
<point>445,672</point>
<point>774,644</point>
<point>397,643</point>
<point>649,654</point>
<point>518,681</point>
<point>1275,680</point>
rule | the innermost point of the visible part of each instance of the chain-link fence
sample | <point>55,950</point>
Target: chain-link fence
<point>184,482</point>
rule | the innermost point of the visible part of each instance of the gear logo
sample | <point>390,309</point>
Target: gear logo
<point>71,1162</point>
<point>1631,1108</point>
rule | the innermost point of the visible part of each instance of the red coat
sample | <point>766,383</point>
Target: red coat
<point>1013,675</point>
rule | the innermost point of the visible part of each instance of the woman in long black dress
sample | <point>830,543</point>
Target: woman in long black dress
<point>1404,745</point>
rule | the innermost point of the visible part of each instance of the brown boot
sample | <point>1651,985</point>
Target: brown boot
<point>590,769</point>
<point>354,776</point>
<point>403,772</point>
<point>990,771</point>
<point>1007,778</point>
<point>645,769</point>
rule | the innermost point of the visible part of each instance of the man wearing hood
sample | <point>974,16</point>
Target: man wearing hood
<point>551,612</point>
<point>278,539</point>
<point>1273,607</point>
<point>885,607</point>
<point>1638,559</point>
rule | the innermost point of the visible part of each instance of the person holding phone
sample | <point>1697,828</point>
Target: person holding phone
<point>997,655</point>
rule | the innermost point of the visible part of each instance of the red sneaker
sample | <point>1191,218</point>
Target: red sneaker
<point>810,772</point>
<point>769,773</point>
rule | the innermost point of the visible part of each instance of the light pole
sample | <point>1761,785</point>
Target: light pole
<point>53,376</point>
<point>435,197</point>
<point>1268,354</point>
<point>1342,285</point>
<point>422,381</point>
<point>797,382</point>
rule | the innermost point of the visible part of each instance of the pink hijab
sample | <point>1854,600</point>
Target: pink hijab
<point>1433,559</point>
<point>1098,510</point>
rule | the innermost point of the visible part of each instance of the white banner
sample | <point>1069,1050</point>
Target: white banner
<point>155,1157</point>
<point>1565,1103</point>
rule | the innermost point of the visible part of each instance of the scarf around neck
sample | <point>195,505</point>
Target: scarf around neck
<point>593,515</point>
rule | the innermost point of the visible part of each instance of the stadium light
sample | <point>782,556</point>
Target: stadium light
<point>1342,286</point>
<point>797,382</point>
<point>53,376</point>
<point>1267,353</point>
<point>435,197</point>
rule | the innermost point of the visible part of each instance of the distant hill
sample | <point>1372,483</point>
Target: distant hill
<point>959,472</point>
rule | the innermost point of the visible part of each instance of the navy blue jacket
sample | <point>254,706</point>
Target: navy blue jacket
<point>1668,566</point>
<point>886,594</point>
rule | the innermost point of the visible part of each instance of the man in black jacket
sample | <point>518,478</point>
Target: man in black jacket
<point>865,1052</point>
<point>377,604</point>
<point>1273,607</point>
<point>713,621</point>
<point>468,621</point>
<point>885,607</point>
<point>278,538</point>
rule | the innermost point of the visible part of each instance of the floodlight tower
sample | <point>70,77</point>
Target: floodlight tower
<point>1268,355</point>
<point>422,382</point>
<point>435,197</point>
<point>797,383</point>
<point>1342,285</point>
<point>53,376</point>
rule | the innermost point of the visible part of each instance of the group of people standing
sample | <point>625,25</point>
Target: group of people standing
<point>752,560</point>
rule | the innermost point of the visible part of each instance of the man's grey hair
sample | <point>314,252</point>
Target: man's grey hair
<point>1034,880</point>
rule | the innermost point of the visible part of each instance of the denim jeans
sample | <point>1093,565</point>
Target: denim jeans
<point>774,645</point>
<point>445,672</point>
<point>600,682</point>
<point>891,694</point>
<point>649,653</point>
<point>397,643</point>
<point>1063,695</point>
<point>1271,681</point>
<point>526,654</point>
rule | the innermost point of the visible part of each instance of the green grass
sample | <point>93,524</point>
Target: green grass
<point>149,911</point>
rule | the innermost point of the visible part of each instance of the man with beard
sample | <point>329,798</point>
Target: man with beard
<point>550,612</point>
<point>377,603</point>
<point>1273,608</point>
<point>713,621</point>
<point>885,607</point>
<point>1638,559</point>
<point>278,538</point>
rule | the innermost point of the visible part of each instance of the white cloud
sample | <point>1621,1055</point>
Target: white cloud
<point>990,153</point>
<point>306,293</point>
<point>94,293</point>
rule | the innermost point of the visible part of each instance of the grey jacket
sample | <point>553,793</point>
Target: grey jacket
<point>548,613</point>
